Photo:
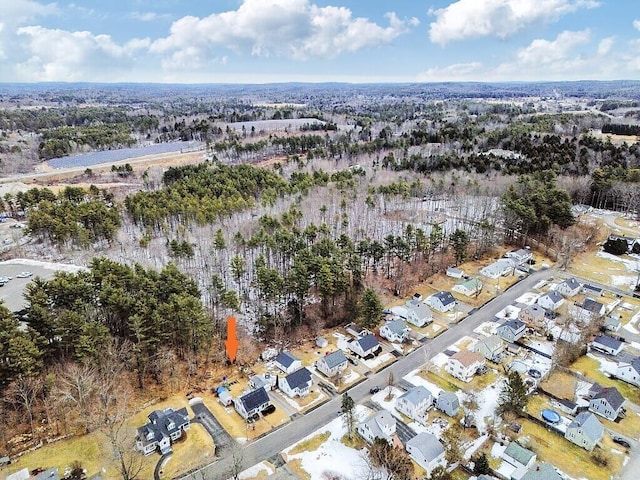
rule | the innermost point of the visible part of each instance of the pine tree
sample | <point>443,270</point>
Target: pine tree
<point>481,465</point>
<point>370,309</point>
<point>347,409</point>
<point>513,397</point>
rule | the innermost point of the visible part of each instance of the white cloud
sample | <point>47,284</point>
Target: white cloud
<point>20,11</point>
<point>72,56</point>
<point>148,16</point>
<point>543,52</point>
<point>636,24</point>
<point>497,18</point>
<point>458,71</point>
<point>605,46</point>
<point>293,28</point>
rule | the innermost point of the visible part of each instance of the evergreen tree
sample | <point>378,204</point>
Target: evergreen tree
<point>481,465</point>
<point>347,408</point>
<point>459,241</point>
<point>370,309</point>
<point>513,397</point>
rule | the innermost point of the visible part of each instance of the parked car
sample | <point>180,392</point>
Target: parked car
<point>253,418</point>
<point>373,390</point>
<point>24,274</point>
<point>621,441</point>
<point>352,361</point>
<point>269,410</point>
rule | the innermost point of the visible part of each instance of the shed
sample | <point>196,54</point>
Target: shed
<point>224,397</point>
<point>321,342</point>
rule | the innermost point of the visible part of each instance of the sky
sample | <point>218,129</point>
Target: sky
<point>360,41</point>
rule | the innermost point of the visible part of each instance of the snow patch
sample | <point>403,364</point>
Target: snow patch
<point>528,298</point>
<point>254,471</point>
<point>414,378</point>
<point>380,359</point>
<point>631,265</point>
<point>59,267</point>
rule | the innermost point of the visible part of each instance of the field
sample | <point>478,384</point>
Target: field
<point>560,384</point>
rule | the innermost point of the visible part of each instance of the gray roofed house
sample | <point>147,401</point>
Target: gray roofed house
<point>296,384</point>
<point>395,331</point>
<point>589,309</point>
<point>606,344</point>
<point>612,322</point>
<point>414,403</point>
<point>426,450</point>
<point>569,288</point>
<point>454,272</point>
<point>499,268</point>
<point>629,371</point>
<point>608,403</point>
<point>592,289</point>
<point>532,315</point>
<point>512,330</point>
<point>417,313</point>
<point>448,402</point>
<point>542,471</point>
<point>551,300</point>
<point>164,427</point>
<point>287,362</point>
<point>364,346</point>
<point>266,380</point>
<point>521,256</point>
<point>469,287</point>
<point>50,474</point>
<point>252,403</point>
<point>585,431</point>
<point>441,301</point>
<point>332,363</point>
<point>490,348</point>
<point>380,425</point>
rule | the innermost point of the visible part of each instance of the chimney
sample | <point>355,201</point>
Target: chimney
<point>537,468</point>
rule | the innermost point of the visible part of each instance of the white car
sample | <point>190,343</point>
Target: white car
<point>24,275</point>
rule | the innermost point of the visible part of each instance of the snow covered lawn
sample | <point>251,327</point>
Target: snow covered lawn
<point>377,361</point>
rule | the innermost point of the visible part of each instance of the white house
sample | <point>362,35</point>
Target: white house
<point>612,322</point>
<point>470,287</point>
<point>415,403</point>
<point>585,431</point>
<point>521,256</point>
<point>287,362</point>
<point>454,272</point>
<point>296,384</point>
<point>589,310</point>
<point>464,364</point>
<point>381,425</point>
<point>441,301</point>
<point>266,380</point>
<point>532,315</point>
<point>395,331</point>
<point>518,459</point>
<point>499,268</point>
<point>365,346</point>
<point>426,450</point>
<point>607,403</point>
<point>551,300</point>
<point>252,403</point>
<point>569,288</point>
<point>332,363</point>
<point>163,428</point>
<point>629,372</point>
<point>417,313</point>
<point>490,348</point>
<point>448,402</point>
<point>512,330</point>
<point>606,344</point>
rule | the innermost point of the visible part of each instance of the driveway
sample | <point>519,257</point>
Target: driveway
<point>221,439</point>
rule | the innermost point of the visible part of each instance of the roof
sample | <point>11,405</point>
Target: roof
<point>514,325</point>
<point>445,297</point>
<point>593,288</point>
<point>380,418</point>
<point>418,308</point>
<point>159,422</point>
<point>494,342</point>
<point>611,395</point>
<point>51,474</point>
<point>299,378</point>
<point>467,358</point>
<point>368,342</point>
<point>542,471</point>
<point>396,326</point>
<point>428,445</point>
<point>591,305</point>
<point>518,453</point>
<point>607,341</point>
<point>285,359</point>
<point>334,359</point>
<point>254,399</point>
<point>449,397</point>
<point>471,284</point>
<point>635,364</point>
<point>554,296</point>
<point>534,309</point>
<point>590,425</point>
<point>416,395</point>
<point>454,271</point>
<point>521,253</point>
<point>571,283</point>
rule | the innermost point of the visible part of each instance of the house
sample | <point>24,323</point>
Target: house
<point>521,256</point>
<point>287,362</point>
<point>629,372</point>
<point>569,288</point>
<point>512,330</point>
<point>607,403</point>
<point>163,428</point>
<point>441,301</point>
<point>612,322</point>
<point>252,403</point>
<point>592,290</point>
<point>417,313</point>
<point>606,344</point>
<point>454,272</point>
<point>518,460</point>
<point>365,346</point>
<point>470,287</point>
<point>585,431</point>
<point>356,330</point>
<point>464,364</point>
<point>414,403</point>
<point>532,315</point>
<point>395,331</point>
<point>296,384</point>
<point>265,380</point>
<point>542,471</point>
<point>381,425</point>
<point>589,310</point>
<point>426,450</point>
<point>551,300</point>
<point>448,403</point>
<point>499,268</point>
<point>332,363</point>
<point>490,348</point>
<point>633,244</point>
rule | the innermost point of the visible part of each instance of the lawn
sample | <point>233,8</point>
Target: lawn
<point>588,265</point>
<point>316,396</point>
<point>296,466</point>
<point>196,449</point>
<point>590,367</point>
<point>560,384</point>
<point>310,444</point>
<point>448,382</point>
<point>571,459</point>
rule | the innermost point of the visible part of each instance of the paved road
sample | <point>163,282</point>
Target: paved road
<point>274,443</point>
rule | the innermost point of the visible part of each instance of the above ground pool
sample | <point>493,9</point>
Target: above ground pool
<point>550,416</point>
<point>518,366</point>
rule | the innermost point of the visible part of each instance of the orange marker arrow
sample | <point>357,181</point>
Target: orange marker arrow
<point>231,343</point>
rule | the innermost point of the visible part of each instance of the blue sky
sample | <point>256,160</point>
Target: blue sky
<point>257,41</point>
